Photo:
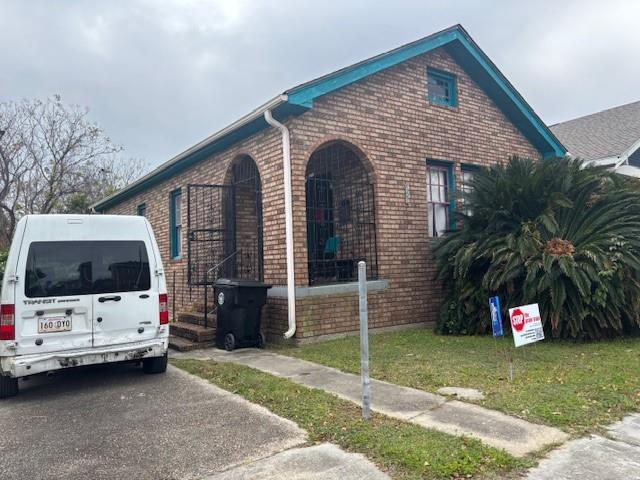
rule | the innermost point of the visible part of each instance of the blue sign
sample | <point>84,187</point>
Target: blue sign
<point>496,316</point>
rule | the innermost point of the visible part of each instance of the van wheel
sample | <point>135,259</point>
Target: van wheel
<point>8,386</point>
<point>155,364</point>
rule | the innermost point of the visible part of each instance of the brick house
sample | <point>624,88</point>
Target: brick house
<point>376,152</point>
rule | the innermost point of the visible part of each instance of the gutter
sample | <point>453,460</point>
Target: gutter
<point>624,158</point>
<point>288,214</point>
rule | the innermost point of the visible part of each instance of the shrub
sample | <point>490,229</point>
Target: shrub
<point>557,233</point>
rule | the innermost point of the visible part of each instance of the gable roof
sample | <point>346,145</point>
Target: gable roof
<point>455,40</point>
<point>608,134</point>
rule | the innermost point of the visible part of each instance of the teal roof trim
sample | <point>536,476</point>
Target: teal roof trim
<point>169,169</point>
<point>304,95</point>
<point>557,149</point>
<point>300,99</point>
<point>477,64</point>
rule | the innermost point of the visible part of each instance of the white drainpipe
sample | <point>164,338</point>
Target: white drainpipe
<point>288,215</point>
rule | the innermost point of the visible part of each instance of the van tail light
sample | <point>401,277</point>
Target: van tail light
<point>7,322</point>
<point>164,309</point>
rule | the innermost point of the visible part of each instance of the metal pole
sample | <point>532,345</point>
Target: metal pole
<point>364,340</point>
<point>206,275</point>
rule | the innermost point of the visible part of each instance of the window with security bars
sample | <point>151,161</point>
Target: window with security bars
<point>341,223</point>
<point>438,198</point>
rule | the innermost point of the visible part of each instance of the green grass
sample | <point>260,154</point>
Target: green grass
<point>401,449</point>
<point>578,387</point>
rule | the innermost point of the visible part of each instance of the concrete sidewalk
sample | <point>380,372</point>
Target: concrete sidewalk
<point>320,462</point>
<point>514,435</point>
<point>596,457</point>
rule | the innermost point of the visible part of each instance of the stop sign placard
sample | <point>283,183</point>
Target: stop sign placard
<point>517,319</point>
<point>526,324</point>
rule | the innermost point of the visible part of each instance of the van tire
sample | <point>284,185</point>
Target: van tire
<point>8,386</point>
<point>155,364</point>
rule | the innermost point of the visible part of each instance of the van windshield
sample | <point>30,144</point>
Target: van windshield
<point>57,269</point>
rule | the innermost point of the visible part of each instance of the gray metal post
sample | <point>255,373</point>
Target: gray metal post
<point>364,340</point>
<point>206,308</point>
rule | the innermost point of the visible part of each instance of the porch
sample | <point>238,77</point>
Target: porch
<point>225,232</point>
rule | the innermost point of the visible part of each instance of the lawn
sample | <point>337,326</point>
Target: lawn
<point>578,387</point>
<point>403,450</point>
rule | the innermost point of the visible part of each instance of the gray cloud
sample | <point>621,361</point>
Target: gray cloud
<point>161,75</point>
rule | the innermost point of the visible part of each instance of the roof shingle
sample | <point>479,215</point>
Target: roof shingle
<point>600,135</point>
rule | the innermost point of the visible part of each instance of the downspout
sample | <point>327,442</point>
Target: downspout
<point>288,215</point>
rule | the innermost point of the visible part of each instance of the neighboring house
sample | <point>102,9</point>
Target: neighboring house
<point>377,153</point>
<point>610,137</point>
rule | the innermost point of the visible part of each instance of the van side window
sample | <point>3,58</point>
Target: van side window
<point>58,269</point>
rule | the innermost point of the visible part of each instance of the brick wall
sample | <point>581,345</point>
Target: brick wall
<point>387,120</point>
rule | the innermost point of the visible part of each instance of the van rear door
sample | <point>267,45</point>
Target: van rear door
<point>125,301</point>
<point>54,311</point>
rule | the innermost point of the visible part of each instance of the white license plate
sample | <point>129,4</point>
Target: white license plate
<point>54,324</point>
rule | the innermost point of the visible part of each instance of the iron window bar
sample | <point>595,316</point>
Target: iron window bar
<point>340,211</point>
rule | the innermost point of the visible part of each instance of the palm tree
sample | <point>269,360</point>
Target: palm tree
<point>557,233</point>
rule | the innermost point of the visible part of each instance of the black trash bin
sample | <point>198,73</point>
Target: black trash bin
<point>239,307</point>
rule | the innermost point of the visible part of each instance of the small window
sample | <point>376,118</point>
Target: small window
<point>466,176</point>
<point>142,209</point>
<point>439,198</point>
<point>441,88</point>
<point>176,224</point>
<point>59,269</point>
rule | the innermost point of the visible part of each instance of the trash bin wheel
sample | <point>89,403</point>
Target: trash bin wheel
<point>229,342</point>
<point>260,341</point>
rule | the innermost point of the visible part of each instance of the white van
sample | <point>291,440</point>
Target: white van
<point>81,290</point>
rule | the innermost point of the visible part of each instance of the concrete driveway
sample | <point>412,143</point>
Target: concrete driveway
<point>114,421</point>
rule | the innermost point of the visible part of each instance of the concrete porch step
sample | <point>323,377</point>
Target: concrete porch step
<point>182,344</point>
<point>197,318</point>
<point>190,331</point>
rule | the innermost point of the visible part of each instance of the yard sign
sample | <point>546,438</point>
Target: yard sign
<point>526,324</point>
<point>496,316</point>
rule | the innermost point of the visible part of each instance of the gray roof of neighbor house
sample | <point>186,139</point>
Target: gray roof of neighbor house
<point>606,134</point>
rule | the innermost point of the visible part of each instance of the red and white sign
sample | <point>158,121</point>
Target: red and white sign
<point>526,324</point>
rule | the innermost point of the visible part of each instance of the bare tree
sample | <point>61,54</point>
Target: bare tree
<point>53,159</point>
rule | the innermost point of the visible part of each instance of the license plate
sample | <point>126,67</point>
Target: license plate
<point>54,324</point>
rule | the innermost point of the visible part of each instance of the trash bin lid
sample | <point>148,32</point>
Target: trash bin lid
<point>241,282</point>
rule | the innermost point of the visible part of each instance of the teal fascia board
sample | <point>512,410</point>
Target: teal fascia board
<point>529,124</point>
<point>300,99</point>
<point>556,149</point>
<point>280,113</point>
<point>305,94</point>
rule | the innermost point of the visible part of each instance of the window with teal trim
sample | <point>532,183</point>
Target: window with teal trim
<point>175,221</point>
<point>441,87</point>
<point>440,202</point>
<point>142,209</point>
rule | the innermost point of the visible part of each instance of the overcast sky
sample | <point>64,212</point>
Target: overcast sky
<point>160,75</point>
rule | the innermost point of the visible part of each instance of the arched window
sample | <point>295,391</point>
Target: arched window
<point>341,220</point>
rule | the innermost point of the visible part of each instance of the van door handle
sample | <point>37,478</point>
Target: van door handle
<point>112,298</point>
<point>144,295</point>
